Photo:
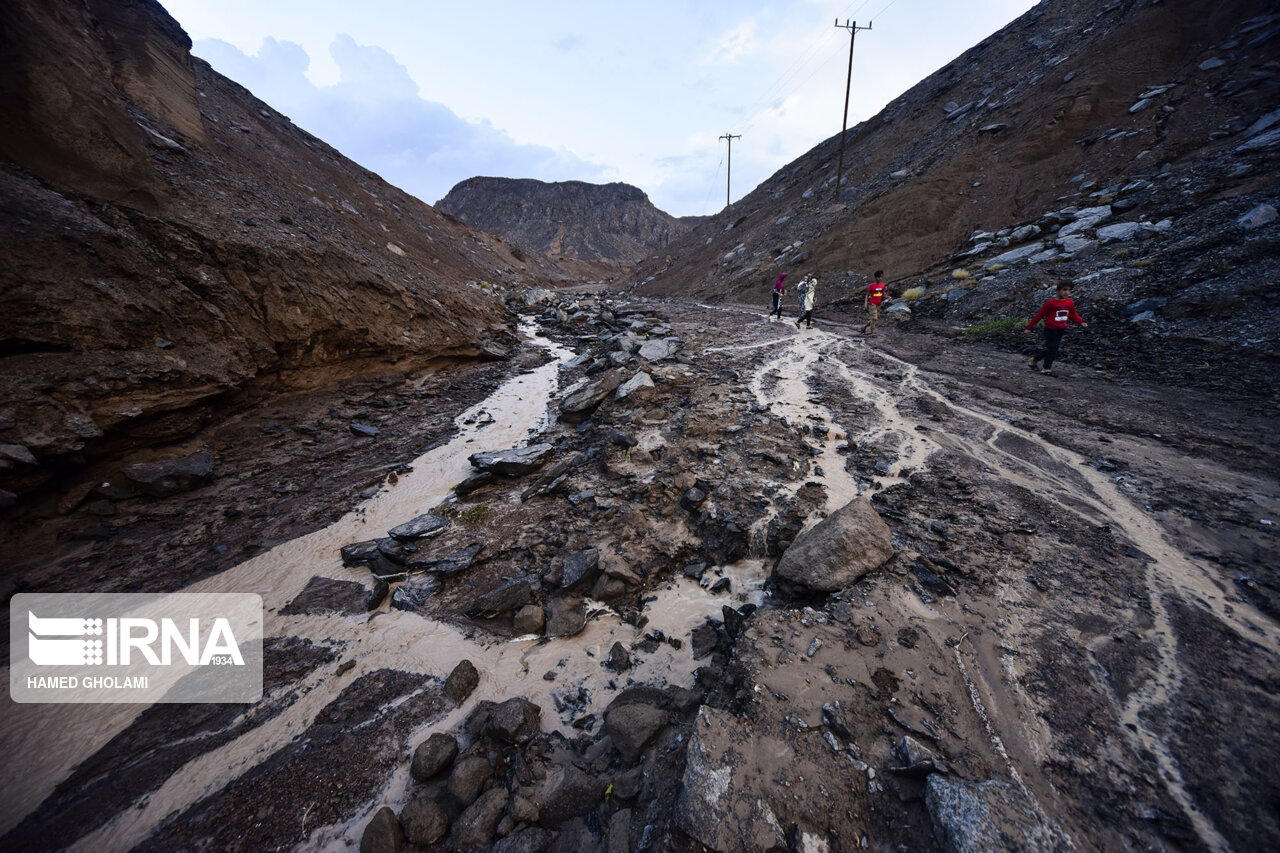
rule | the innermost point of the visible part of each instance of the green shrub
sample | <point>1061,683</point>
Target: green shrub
<point>961,275</point>
<point>911,294</point>
<point>996,324</point>
<point>472,514</point>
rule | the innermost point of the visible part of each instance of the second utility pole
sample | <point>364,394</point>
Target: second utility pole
<point>728,175</point>
<point>852,27</point>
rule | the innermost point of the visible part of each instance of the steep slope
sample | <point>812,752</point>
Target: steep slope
<point>1074,117</point>
<point>167,239</point>
<point>571,219</point>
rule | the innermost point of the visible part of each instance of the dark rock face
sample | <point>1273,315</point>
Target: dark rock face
<point>610,222</point>
<point>170,476</point>
<point>213,243</point>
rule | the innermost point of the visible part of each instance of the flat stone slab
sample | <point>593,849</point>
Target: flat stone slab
<point>514,462</point>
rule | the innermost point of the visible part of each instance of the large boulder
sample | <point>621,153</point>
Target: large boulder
<point>579,402</point>
<point>433,755</point>
<point>976,817</point>
<point>633,727</point>
<point>839,550</point>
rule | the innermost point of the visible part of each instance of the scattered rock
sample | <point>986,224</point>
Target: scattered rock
<point>636,383</point>
<point>327,595</point>
<point>619,660</point>
<point>461,682</point>
<point>424,821</point>
<point>1263,214</point>
<point>412,595</point>
<point>422,527</point>
<point>580,401</point>
<point>839,550</point>
<point>507,598</point>
<point>383,833</point>
<point>566,617</point>
<point>969,817</point>
<point>468,778</point>
<point>474,827</point>
<point>168,477</point>
<point>633,726</point>
<point>529,620</point>
<point>660,350</point>
<point>433,756</point>
<point>578,566</point>
<point>515,462</point>
<point>363,430</point>
<point>514,721</point>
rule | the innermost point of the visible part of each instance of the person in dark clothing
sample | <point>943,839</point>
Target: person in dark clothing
<point>1058,313</point>
<point>779,290</point>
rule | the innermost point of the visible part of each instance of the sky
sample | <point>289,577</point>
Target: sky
<point>428,93</point>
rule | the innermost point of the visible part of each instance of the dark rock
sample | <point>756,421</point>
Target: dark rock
<point>461,682</point>
<point>722,585</point>
<point>383,833</point>
<point>619,838</point>
<point>619,660</point>
<point>432,756</point>
<point>363,430</point>
<point>474,827</point>
<point>565,793</point>
<point>326,595</point>
<point>692,499</point>
<point>171,476</point>
<point>704,639</point>
<point>7,499</point>
<point>694,570</point>
<point>839,550</point>
<point>529,619</point>
<point>360,553</point>
<point>473,482</point>
<point>533,839</point>
<point>632,727</point>
<point>423,820</point>
<point>507,598</point>
<point>834,718</point>
<point>620,438</point>
<point>516,720</point>
<point>566,617</point>
<point>468,778</point>
<point>412,595</point>
<point>916,759</point>
<point>515,462</point>
<point>451,563</point>
<point>981,816</point>
<point>424,526</point>
<point>577,405</point>
<point>578,565</point>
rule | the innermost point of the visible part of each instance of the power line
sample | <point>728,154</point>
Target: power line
<point>711,187</point>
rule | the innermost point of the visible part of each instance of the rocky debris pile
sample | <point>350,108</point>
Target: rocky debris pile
<point>502,784</point>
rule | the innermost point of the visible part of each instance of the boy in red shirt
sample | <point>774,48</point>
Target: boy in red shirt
<point>1058,314</point>
<point>871,302</point>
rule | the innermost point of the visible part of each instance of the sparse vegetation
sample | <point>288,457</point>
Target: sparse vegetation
<point>472,515</point>
<point>995,268</point>
<point>1058,259</point>
<point>961,274</point>
<point>1106,199</point>
<point>1142,262</point>
<point>911,294</point>
<point>1121,254</point>
<point>996,324</point>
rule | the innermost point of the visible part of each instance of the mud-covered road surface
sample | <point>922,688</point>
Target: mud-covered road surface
<point>1073,646</point>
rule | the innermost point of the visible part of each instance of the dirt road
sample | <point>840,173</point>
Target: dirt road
<point>1078,623</point>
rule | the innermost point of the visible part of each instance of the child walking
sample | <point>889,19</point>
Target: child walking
<point>871,303</point>
<point>779,290</point>
<point>1058,313</point>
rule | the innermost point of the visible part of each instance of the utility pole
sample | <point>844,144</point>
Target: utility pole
<point>852,27</point>
<point>728,175</point>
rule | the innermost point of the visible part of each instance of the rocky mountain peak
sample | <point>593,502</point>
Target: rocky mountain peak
<point>570,219</point>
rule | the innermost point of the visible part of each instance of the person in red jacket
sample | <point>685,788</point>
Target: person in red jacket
<point>1058,313</point>
<point>871,303</point>
<point>779,291</point>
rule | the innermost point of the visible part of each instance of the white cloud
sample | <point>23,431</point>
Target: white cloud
<point>375,116</point>
<point>734,45</point>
